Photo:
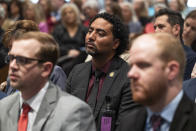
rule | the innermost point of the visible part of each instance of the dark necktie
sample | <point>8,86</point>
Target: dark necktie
<point>92,100</point>
<point>23,120</point>
<point>156,121</point>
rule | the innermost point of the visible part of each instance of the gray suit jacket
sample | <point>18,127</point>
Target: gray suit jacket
<point>59,111</point>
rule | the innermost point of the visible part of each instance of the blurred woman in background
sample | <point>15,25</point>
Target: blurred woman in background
<point>113,8</point>
<point>70,34</point>
<point>141,10</point>
<point>35,13</point>
<point>130,19</point>
<point>16,10</point>
<point>47,9</point>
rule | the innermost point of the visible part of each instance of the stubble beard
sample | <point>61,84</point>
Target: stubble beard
<point>15,85</point>
<point>150,97</point>
<point>92,51</point>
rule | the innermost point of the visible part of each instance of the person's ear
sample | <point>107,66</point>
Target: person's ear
<point>173,69</point>
<point>176,29</point>
<point>116,44</point>
<point>47,69</point>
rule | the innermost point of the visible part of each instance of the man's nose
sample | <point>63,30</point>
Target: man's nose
<point>92,36</point>
<point>157,30</point>
<point>133,73</point>
<point>13,64</point>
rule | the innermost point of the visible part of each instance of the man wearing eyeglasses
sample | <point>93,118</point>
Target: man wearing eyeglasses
<point>39,105</point>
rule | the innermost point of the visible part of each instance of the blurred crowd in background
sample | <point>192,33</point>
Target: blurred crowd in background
<point>68,21</point>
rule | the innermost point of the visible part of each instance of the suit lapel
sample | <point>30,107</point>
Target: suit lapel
<point>182,115</point>
<point>46,108</point>
<point>135,120</point>
<point>140,121</point>
<point>84,81</point>
<point>13,114</point>
<point>107,84</point>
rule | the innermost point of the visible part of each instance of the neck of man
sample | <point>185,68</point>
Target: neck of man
<point>100,61</point>
<point>171,93</point>
<point>29,92</point>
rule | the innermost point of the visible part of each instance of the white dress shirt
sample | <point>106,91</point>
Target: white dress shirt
<point>34,103</point>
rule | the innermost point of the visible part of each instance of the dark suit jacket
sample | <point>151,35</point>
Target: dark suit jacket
<point>2,95</point>
<point>184,118</point>
<point>116,86</point>
<point>190,61</point>
<point>189,87</point>
<point>59,111</point>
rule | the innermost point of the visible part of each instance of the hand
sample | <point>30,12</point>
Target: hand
<point>3,85</point>
<point>73,53</point>
<point>193,74</point>
<point>53,19</point>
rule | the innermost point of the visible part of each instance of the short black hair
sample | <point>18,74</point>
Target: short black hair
<point>173,18</point>
<point>119,30</point>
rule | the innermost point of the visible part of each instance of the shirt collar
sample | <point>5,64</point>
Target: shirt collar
<point>168,112</point>
<point>35,101</point>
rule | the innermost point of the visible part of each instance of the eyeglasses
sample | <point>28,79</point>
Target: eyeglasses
<point>20,59</point>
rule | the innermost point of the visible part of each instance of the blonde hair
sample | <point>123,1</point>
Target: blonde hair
<point>75,9</point>
<point>130,6</point>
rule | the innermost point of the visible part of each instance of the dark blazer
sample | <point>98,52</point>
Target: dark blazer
<point>2,95</point>
<point>117,86</point>
<point>58,77</point>
<point>184,118</point>
<point>189,87</point>
<point>59,111</point>
<point>190,61</point>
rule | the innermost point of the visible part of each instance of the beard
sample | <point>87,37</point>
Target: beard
<point>15,84</point>
<point>92,50</point>
<point>149,94</point>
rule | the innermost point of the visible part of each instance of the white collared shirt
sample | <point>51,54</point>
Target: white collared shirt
<point>34,103</point>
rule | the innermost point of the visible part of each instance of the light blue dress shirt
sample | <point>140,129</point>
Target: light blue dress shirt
<point>167,114</point>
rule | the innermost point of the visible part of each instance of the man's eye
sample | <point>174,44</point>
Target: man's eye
<point>143,65</point>
<point>11,58</point>
<point>160,26</point>
<point>90,30</point>
<point>101,34</point>
<point>22,60</point>
<point>187,25</point>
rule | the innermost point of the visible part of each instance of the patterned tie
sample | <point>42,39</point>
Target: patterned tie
<point>156,121</point>
<point>23,120</point>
